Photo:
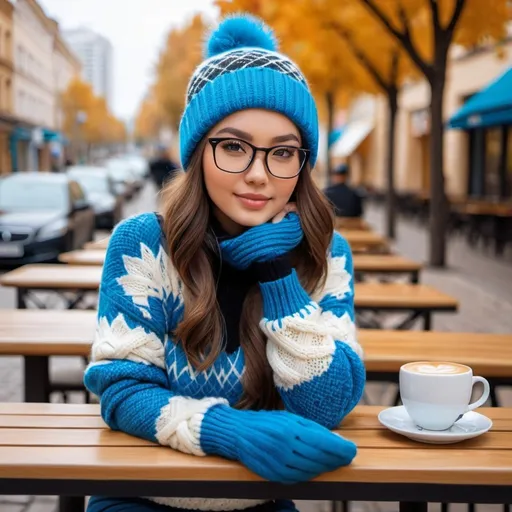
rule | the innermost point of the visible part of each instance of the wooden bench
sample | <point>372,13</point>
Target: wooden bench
<point>61,449</point>
<point>363,263</point>
<point>357,223</point>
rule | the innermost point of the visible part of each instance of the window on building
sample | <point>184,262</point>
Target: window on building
<point>493,155</point>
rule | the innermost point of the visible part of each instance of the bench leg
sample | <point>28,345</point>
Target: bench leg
<point>37,379</point>
<point>71,503</point>
<point>410,506</point>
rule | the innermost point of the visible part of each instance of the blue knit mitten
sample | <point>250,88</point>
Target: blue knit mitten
<point>265,242</point>
<point>276,445</point>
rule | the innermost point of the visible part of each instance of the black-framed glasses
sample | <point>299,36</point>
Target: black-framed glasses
<point>236,156</point>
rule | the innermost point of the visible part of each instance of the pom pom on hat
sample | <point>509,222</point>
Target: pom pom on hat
<point>240,31</point>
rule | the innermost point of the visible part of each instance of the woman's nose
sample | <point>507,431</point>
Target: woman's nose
<point>257,172</point>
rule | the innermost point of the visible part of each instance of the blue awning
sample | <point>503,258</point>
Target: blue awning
<point>492,106</point>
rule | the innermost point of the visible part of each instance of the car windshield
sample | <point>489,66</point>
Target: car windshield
<point>31,195</point>
<point>92,184</point>
<point>118,170</point>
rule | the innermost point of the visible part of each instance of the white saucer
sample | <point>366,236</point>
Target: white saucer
<point>472,424</point>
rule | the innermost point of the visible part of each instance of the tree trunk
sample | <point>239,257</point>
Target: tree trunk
<point>390,164</point>
<point>438,204</point>
<point>329,100</point>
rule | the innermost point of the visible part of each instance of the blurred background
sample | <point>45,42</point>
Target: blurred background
<point>415,97</point>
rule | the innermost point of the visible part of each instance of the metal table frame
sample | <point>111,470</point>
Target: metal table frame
<point>22,294</point>
<point>412,497</point>
<point>413,315</point>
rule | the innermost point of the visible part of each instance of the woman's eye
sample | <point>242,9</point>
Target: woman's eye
<point>232,146</point>
<point>284,152</point>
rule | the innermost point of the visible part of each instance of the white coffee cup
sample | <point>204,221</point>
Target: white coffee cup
<point>436,393</point>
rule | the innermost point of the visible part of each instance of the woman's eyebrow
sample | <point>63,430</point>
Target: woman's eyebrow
<point>286,138</point>
<point>236,132</point>
<point>247,136</point>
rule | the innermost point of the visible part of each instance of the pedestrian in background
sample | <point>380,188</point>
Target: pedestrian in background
<point>162,168</point>
<point>347,201</point>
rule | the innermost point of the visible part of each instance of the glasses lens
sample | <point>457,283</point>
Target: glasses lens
<point>233,155</point>
<point>286,161</point>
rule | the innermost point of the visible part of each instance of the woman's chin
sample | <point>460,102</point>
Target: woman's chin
<point>251,219</point>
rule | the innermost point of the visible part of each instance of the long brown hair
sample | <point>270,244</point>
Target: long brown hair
<point>193,250</point>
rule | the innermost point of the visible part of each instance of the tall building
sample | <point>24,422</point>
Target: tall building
<point>96,55</point>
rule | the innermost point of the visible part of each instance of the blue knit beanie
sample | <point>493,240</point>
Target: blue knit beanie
<point>242,70</point>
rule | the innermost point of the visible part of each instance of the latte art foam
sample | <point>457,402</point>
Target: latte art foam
<point>434,368</point>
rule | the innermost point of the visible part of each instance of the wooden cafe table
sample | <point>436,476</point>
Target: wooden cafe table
<point>60,279</point>
<point>97,244</point>
<point>67,450</point>
<point>36,336</point>
<point>488,354</point>
<point>419,301</point>
<point>365,240</point>
<point>363,263</point>
<point>358,240</point>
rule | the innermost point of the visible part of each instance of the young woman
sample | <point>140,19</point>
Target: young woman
<point>226,325</point>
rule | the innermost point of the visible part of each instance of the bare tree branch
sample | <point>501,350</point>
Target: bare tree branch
<point>434,11</point>
<point>360,55</point>
<point>457,11</point>
<point>404,39</point>
<point>405,20</point>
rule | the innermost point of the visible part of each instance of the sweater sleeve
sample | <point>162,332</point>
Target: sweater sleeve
<point>312,345</point>
<point>139,298</point>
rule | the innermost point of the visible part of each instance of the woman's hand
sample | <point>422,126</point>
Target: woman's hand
<point>265,242</point>
<point>290,207</point>
<point>276,445</point>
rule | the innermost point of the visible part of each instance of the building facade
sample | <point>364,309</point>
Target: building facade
<point>43,66</point>
<point>96,56</point>
<point>6,84</point>
<point>473,159</point>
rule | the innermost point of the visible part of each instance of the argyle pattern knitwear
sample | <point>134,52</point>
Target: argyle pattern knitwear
<point>148,388</point>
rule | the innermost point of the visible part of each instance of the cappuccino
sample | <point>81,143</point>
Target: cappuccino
<point>436,368</point>
<point>437,393</point>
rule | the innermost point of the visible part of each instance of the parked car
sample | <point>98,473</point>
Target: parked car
<point>138,164</point>
<point>42,215</point>
<point>100,193</point>
<point>125,182</point>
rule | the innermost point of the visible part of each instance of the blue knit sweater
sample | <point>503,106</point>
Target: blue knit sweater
<point>148,389</point>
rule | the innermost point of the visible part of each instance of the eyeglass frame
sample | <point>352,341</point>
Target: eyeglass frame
<point>215,141</point>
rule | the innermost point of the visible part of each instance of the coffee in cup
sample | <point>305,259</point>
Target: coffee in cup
<point>437,393</point>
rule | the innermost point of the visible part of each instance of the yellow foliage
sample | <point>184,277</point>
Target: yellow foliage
<point>98,125</point>
<point>182,54</point>
<point>149,118</point>
<point>320,36</point>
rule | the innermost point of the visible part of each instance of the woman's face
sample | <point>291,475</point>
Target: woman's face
<point>255,196</point>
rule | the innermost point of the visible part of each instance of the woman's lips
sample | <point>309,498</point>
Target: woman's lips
<point>253,201</point>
